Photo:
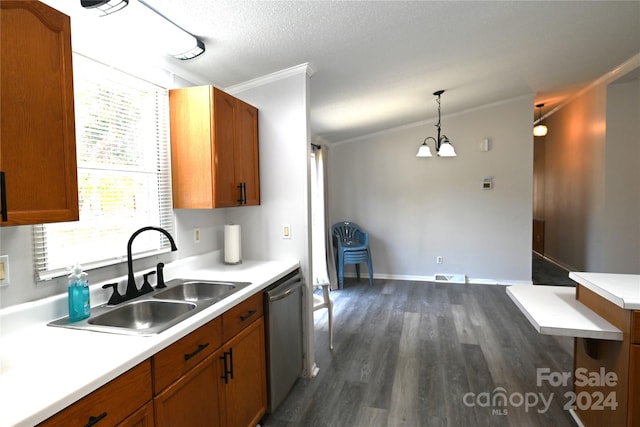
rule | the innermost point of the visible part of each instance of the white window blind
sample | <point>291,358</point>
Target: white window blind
<point>124,180</point>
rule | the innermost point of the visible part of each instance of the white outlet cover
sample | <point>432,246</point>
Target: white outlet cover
<point>4,259</point>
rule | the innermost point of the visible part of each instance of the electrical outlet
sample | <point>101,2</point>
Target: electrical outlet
<point>196,235</point>
<point>4,270</point>
<point>439,259</point>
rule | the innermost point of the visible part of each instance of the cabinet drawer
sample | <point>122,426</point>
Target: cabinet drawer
<point>175,360</point>
<point>635,327</point>
<point>112,402</point>
<point>241,316</point>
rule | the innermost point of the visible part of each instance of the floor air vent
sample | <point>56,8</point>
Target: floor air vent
<point>450,278</point>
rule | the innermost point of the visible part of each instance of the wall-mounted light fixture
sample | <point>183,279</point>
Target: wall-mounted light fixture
<point>177,42</point>
<point>105,6</point>
<point>443,146</point>
<point>540,129</point>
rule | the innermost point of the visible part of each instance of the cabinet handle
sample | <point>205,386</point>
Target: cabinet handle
<point>243,193</point>
<point>248,315</point>
<point>227,373</point>
<point>3,197</point>
<point>94,420</point>
<point>196,351</point>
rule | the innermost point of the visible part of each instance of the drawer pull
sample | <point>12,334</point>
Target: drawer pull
<point>248,315</point>
<point>196,351</point>
<point>95,420</point>
<point>3,198</point>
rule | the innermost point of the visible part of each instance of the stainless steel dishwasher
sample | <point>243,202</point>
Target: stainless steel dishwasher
<point>283,319</point>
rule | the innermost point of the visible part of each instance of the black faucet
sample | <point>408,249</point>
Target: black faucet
<point>160,273</point>
<point>132,288</point>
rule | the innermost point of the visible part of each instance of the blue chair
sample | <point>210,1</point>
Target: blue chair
<point>352,247</point>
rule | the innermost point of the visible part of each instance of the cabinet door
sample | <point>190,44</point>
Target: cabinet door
<point>247,159</point>
<point>191,150</point>
<point>245,392</point>
<point>37,130</point>
<point>634,386</point>
<point>193,399</point>
<point>227,193</point>
<point>143,417</point>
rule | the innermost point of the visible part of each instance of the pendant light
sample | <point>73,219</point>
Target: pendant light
<point>540,129</point>
<point>442,145</point>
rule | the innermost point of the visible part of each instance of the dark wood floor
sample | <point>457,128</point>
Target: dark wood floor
<point>409,353</point>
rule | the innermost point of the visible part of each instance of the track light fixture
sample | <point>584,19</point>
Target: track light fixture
<point>442,145</point>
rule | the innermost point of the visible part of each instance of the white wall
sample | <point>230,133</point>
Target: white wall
<point>283,128</point>
<point>418,208</point>
<point>283,121</point>
<point>574,181</point>
<point>592,183</point>
<point>621,223</point>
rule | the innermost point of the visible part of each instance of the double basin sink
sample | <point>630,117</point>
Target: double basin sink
<point>157,311</point>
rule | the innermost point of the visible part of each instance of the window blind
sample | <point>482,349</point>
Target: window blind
<point>124,180</point>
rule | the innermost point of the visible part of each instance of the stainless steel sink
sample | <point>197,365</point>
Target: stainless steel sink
<point>155,312</point>
<point>144,314</point>
<point>197,290</point>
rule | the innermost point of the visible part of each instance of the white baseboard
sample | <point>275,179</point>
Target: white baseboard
<point>469,280</point>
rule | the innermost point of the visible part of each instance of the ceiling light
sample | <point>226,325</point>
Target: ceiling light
<point>175,41</point>
<point>540,129</point>
<point>443,146</point>
<point>105,6</point>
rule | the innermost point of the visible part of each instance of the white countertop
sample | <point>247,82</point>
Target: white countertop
<point>45,369</point>
<point>554,310</point>
<point>621,289</point>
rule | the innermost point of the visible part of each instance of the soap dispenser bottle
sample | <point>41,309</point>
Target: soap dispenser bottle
<point>79,303</point>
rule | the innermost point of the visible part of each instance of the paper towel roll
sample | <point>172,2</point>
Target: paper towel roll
<point>232,246</point>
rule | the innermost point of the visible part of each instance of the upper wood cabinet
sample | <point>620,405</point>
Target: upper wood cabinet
<point>214,149</point>
<point>37,128</point>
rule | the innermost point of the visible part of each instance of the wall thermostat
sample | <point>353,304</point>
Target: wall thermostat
<point>487,183</point>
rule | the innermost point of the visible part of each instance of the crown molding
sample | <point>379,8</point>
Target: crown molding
<point>305,68</point>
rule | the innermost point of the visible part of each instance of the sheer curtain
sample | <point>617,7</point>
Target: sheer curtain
<point>321,252</point>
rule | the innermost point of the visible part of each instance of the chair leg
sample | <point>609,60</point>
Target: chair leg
<point>340,273</point>
<point>358,271</point>
<point>330,323</point>
<point>370,267</point>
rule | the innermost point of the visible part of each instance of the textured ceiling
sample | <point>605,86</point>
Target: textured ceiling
<point>377,63</point>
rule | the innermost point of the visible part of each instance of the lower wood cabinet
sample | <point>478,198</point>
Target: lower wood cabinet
<point>214,376</point>
<point>634,386</point>
<point>193,399</point>
<point>111,404</point>
<point>143,417</point>
<point>244,385</point>
<point>621,358</point>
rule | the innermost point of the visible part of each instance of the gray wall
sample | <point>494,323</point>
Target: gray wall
<point>592,184</point>
<point>621,235</point>
<point>418,208</point>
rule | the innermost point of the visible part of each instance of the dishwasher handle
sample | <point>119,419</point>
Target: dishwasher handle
<point>286,288</point>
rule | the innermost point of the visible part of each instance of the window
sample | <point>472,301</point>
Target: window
<point>124,180</point>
